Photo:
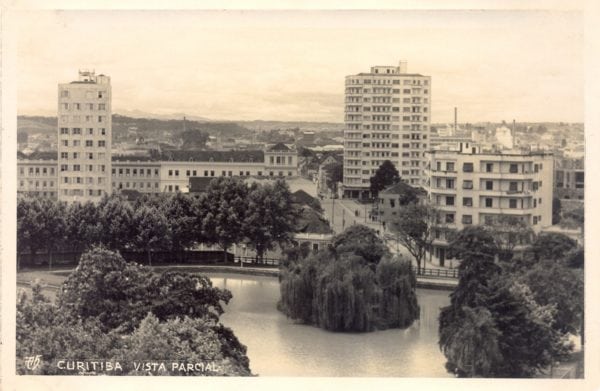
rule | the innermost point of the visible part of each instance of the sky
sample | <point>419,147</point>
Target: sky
<point>290,65</point>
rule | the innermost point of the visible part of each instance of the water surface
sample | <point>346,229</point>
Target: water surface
<point>277,346</point>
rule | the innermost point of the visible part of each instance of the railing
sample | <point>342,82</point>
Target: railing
<point>257,261</point>
<point>438,273</point>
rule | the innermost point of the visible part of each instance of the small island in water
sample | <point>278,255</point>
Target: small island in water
<point>354,285</point>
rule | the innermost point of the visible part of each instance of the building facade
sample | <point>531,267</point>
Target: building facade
<point>84,138</point>
<point>470,187</point>
<point>168,173</point>
<point>569,179</point>
<point>387,117</point>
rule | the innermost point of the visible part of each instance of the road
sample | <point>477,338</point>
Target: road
<point>349,212</point>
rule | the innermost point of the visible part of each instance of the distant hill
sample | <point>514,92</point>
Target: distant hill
<point>316,126</point>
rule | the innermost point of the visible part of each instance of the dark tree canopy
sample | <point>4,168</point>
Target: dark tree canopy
<point>386,175</point>
<point>110,309</point>
<point>552,246</point>
<point>353,286</point>
<point>362,241</point>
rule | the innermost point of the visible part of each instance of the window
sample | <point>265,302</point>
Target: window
<point>450,218</point>
<point>467,219</point>
<point>187,173</point>
<point>100,118</point>
<point>535,220</point>
<point>535,186</point>
<point>103,131</point>
<point>77,131</point>
<point>89,143</point>
<point>534,202</point>
<point>489,202</point>
<point>513,186</point>
<point>65,143</point>
<point>467,184</point>
<point>449,183</point>
<point>64,155</point>
<point>101,106</point>
<point>76,167</point>
<point>450,200</point>
<point>392,203</point>
<point>170,172</point>
<point>176,172</point>
<point>102,143</point>
<point>76,143</point>
<point>489,167</point>
<point>64,94</point>
<point>90,131</point>
<point>512,203</point>
<point>156,171</point>
<point>64,130</point>
<point>449,166</point>
<point>513,169</point>
<point>90,167</point>
<point>468,167</point>
<point>63,167</point>
<point>100,94</point>
<point>489,185</point>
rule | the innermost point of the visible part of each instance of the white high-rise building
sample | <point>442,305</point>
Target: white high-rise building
<point>84,138</point>
<point>387,116</point>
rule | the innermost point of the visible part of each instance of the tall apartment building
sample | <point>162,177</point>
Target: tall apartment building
<point>387,117</point>
<point>471,187</point>
<point>84,138</point>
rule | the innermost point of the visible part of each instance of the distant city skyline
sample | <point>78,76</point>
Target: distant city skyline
<point>291,65</point>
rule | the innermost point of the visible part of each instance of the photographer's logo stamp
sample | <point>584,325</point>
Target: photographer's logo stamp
<point>32,362</point>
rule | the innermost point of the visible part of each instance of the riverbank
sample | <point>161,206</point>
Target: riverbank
<point>52,279</point>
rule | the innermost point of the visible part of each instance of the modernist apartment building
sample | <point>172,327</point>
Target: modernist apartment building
<point>168,173</point>
<point>84,138</point>
<point>471,187</point>
<point>569,179</point>
<point>387,117</point>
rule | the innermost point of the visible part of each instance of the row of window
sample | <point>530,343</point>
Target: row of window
<point>78,131</point>
<point>358,90</point>
<point>88,143</point>
<point>81,192</point>
<point>489,167</point>
<point>385,99</point>
<point>513,186</point>
<point>387,81</point>
<point>80,180</point>
<point>37,171</point>
<point>513,203</point>
<point>280,160</point>
<point>77,167</point>
<point>86,155</point>
<point>449,218</point>
<point>87,118</point>
<point>80,106</point>
<point>136,185</point>
<point>37,183</point>
<point>88,94</point>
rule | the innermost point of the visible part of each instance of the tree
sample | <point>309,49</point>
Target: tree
<point>362,241</point>
<point>180,213</point>
<point>414,226</point>
<point>472,347</point>
<point>83,225</point>
<point>508,233</point>
<point>488,299</point>
<point>115,219</point>
<point>553,246</point>
<point>224,210</point>
<point>151,231</point>
<point>386,175</point>
<point>28,229</point>
<point>335,174</point>
<point>52,226</point>
<point>552,283</point>
<point>194,339</point>
<point>105,287</point>
<point>556,209</point>
<point>270,218</point>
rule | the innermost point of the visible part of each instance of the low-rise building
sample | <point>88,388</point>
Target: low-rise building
<point>471,187</point>
<point>167,172</point>
<point>37,175</point>
<point>569,179</point>
<point>391,199</point>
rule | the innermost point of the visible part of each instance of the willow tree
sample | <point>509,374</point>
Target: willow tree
<point>353,286</point>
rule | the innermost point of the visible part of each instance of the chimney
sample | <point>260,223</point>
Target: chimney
<point>402,67</point>
<point>455,120</point>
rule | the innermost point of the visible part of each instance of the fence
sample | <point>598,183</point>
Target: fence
<point>71,258</point>
<point>438,273</point>
<point>256,261</point>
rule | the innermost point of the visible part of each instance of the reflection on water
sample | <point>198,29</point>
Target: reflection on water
<point>279,347</point>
